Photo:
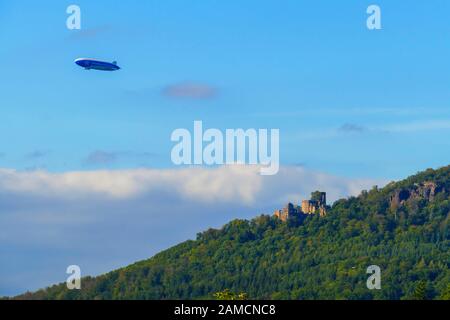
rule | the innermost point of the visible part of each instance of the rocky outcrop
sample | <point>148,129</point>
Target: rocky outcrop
<point>425,190</point>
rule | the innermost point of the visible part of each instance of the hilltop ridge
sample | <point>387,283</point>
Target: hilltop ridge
<point>402,228</point>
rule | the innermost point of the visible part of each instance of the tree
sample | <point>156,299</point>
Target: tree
<point>446,294</point>
<point>420,293</point>
<point>228,295</point>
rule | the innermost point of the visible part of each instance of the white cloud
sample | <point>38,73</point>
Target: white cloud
<point>237,184</point>
<point>234,183</point>
<point>415,126</point>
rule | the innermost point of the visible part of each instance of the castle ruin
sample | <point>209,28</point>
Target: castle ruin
<point>316,205</point>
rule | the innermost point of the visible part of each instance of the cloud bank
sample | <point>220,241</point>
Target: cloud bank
<point>237,184</point>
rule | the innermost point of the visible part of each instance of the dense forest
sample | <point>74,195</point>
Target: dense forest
<point>402,228</point>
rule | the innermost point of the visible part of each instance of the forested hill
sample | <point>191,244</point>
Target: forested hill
<point>403,228</point>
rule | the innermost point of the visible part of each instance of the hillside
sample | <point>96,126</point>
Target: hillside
<point>403,228</point>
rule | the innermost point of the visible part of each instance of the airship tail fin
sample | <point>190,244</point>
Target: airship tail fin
<point>114,62</point>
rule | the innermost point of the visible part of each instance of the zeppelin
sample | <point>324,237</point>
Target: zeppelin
<point>89,64</point>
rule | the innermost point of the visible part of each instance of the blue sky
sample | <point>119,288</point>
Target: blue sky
<point>302,66</point>
<point>349,102</point>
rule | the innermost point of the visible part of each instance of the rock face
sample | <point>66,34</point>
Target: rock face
<point>426,191</point>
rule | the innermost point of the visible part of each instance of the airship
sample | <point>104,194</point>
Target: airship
<point>89,64</point>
